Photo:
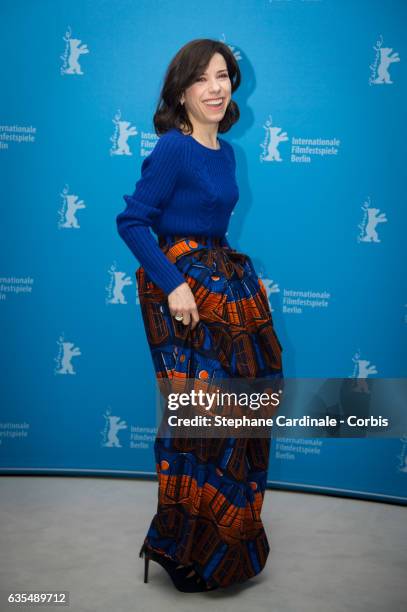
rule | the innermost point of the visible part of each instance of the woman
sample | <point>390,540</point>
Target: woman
<point>205,313</point>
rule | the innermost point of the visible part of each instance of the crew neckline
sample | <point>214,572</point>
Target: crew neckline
<point>200,145</point>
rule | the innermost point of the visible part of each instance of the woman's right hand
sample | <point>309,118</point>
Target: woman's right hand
<point>181,301</point>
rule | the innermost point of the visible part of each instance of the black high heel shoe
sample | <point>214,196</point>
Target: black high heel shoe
<point>180,575</point>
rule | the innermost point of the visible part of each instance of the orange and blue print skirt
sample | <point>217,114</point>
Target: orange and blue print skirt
<point>211,491</point>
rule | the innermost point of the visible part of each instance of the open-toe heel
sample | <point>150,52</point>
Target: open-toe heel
<point>184,577</point>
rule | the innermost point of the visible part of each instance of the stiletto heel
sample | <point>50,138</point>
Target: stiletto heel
<point>179,574</point>
<point>144,551</point>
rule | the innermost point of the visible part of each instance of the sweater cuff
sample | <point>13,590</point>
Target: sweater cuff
<point>172,281</point>
<point>156,264</point>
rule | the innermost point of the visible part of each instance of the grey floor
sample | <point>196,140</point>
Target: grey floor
<point>83,535</point>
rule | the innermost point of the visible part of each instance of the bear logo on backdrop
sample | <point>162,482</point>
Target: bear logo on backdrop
<point>118,280</point>
<point>66,351</point>
<point>72,52</point>
<point>67,212</point>
<point>122,132</point>
<point>371,218</point>
<point>272,139</point>
<point>379,70</point>
<point>113,424</point>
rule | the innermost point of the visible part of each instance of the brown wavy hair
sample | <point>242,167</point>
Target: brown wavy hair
<point>186,66</point>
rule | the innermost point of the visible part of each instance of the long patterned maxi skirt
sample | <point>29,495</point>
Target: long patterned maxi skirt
<point>211,491</point>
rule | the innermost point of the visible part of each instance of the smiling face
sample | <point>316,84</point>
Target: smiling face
<point>207,99</point>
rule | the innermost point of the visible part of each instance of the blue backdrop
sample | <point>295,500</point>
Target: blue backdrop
<point>320,152</point>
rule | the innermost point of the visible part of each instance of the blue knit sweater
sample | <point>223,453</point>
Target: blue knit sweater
<point>186,189</point>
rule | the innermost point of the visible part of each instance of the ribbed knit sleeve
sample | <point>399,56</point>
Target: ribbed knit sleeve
<point>224,241</point>
<point>159,172</point>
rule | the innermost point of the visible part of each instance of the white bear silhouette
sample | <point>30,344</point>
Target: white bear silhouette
<point>69,351</point>
<point>385,60</point>
<point>274,140</point>
<point>75,51</point>
<point>373,219</point>
<point>72,206</point>
<point>120,281</point>
<point>115,425</point>
<point>124,132</point>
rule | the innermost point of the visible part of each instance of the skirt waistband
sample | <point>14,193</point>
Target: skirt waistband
<point>193,240</point>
